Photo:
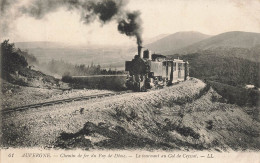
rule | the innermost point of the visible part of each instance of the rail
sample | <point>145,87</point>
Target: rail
<point>55,102</point>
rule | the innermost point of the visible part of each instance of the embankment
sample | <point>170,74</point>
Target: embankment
<point>186,116</point>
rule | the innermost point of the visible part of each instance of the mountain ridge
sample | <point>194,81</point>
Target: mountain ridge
<point>176,41</point>
<point>232,39</point>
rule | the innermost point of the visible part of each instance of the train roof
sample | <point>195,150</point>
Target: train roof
<point>178,60</point>
<point>155,56</point>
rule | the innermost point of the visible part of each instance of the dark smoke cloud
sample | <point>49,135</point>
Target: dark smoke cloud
<point>90,10</point>
<point>4,5</point>
<point>105,10</point>
<point>131,26</point>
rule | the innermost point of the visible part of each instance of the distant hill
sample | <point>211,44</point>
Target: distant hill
<point>154,39</point>
<point>38,44</point>
<point>175,41</point>
<point>62,45</point>
<point>146,41</point>
<point>244,45</point>
<point>232,58</point>
<point>106,56</point>
<point>235,39</point>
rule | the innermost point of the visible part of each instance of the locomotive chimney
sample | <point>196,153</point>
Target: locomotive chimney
<point>140,51</point>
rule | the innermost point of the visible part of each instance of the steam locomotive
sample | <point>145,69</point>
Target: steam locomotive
<point>147,71</point>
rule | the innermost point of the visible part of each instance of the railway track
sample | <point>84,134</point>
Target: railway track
<point>62,101</point>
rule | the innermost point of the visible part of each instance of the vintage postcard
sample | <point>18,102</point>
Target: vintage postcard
<point>130,80</point>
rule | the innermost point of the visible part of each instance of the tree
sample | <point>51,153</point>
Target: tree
<point>11,59</point>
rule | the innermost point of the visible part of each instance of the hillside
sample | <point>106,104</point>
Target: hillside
<point>15,69</point>
<point>175,41</point>
<point>251,54</point>
<point>230,70</point>
<point>228,39</point>
<point>231,58</point>
<point>189,115</point>
<point>239,44</point>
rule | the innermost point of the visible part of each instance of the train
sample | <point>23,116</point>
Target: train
<point>148,71</point>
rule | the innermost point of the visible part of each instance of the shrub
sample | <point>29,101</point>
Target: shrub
<point>237,95</point>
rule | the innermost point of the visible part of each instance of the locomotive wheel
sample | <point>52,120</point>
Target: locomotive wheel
<point>139,87</point>
<point>143,89</point>
<point>143,86</point>
<point>136,86</point>
<point>129,85</point>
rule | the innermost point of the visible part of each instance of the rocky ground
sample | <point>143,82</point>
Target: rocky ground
<point>186,116</point>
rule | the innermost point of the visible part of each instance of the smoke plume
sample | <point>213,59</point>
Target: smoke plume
<point>129,23</point>
<point>131,26</point>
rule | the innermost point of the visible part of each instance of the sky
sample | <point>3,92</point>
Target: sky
<point>158,16</point>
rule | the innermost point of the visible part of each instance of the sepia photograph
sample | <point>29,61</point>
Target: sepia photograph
<point>129,80</point>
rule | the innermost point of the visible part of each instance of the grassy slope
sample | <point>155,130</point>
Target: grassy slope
<point>229,70</point>
<point>183,116</point>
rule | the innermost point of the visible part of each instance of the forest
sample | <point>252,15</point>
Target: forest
<point>227,75</point>
<point>229,70</point>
